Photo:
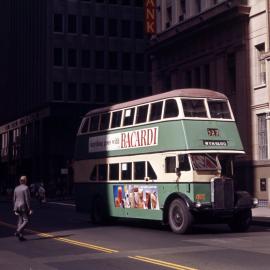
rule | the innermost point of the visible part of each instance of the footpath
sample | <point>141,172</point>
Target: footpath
<point>260,215</point>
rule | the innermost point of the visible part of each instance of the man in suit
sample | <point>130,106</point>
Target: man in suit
<point>22,208</point>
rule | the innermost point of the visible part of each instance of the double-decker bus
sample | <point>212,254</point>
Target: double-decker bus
<point>166,157</point>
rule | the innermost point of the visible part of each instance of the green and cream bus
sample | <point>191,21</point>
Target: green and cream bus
<point>166,157</point>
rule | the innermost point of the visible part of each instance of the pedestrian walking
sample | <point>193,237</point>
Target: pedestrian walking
<point>22,208</point>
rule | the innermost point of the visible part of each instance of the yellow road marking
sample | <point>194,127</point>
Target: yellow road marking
<point>103,249</point>
<point>66,240</point>
<point>162,263</point>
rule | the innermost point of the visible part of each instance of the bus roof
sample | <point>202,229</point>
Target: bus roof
<point>186,92</point>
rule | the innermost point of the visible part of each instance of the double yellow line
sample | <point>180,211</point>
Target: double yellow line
<point>162,263</point>
<point>103,249</point>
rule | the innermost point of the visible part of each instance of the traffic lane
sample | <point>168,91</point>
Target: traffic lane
<point>49,254</point>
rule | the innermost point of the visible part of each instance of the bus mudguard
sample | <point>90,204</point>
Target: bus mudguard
<point>170,198</point>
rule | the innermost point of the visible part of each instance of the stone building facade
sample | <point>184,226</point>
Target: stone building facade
<point>221,45</point>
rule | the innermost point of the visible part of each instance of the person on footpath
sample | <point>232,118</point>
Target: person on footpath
<point>22,208</point>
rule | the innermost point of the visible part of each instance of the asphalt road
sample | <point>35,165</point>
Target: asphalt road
<point>60,238</point>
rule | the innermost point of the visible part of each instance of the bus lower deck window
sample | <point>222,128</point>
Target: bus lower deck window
<point>150,172</point>
<point>126,171</point>
<point>139,170</point>
<point>170,164</point>
<point>114,171</point>
<point>102,172</point>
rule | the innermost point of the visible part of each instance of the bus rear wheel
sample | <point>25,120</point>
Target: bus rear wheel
<point>179,216</point>
<point>97,212</point>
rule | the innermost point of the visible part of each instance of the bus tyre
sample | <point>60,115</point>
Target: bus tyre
<point>241,221</point>
<point>179,216</point>
<point>97,213</point>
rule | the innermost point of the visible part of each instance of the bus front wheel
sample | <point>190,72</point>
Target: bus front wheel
<point>179,217</point>
<point>241,221</point>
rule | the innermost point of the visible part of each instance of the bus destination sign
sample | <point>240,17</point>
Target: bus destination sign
<point>215,143</point>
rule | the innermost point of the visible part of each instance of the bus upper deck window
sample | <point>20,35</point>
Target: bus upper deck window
<point>94,123</point>
<point>194,108</point>
<point>116,119</point>
<point>85,125</point>
<point>105,121</point>
<point>171,108</point>
<point>129,116</point>
<point>141,114</point>
<point>156,110</point>
<point>219,109</point>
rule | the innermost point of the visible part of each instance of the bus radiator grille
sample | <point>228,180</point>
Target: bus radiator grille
<point>223,193</point>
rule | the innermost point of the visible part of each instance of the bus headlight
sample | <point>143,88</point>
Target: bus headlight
<point>255,202</point>
<point>198,204</point>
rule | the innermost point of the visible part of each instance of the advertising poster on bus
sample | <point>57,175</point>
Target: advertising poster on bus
<point>136,196</point>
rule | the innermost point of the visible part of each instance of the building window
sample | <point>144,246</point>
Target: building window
<point>188,78</point>
<point>126,92</point>
<point>262,137</point>
<point>126,61</point>
<point>112,27</point>
<point>99,27</point>
<point>207,76</point>
<point>72,58</point>
<point>57,91</point>
<point>72,91</point>
<point>58,23</point>
<point>125,2</point>
<point>113,60</point>
<point>58,56</point>
<point>197,77</point>
<point>86,58</point>
<point>100,93</point>
<point>139,62</point>
<point>198,6</point>
<point>182,13</point>
<point>113,2</point>
<point>261,71</point>
<point>86,25</point>
<point>139,29</point>
<point>72,24</point>
<point>263,186</point>
<point>113,93</point>
<point>231,63</point>
<point>99,59</point>
<point>138,3</point>
<point>85,92</point>
<point>125,28</point>
<point>168,17</point>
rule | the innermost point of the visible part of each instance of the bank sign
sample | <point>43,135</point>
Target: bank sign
<point>124,140</point>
